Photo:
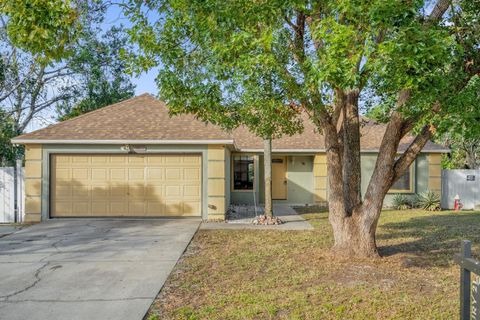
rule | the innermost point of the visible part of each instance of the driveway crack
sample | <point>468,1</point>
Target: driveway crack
<point>37,280</point>
<point>53,245</point>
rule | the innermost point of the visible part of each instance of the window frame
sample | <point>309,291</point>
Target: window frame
<point>413,179</point>
<point>232,172</point>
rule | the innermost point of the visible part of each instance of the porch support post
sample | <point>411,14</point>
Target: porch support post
<point>320,179</point>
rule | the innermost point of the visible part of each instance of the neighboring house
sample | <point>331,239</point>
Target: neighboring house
<point>133,159</point>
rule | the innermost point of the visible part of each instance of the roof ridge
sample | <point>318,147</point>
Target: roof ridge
<point>145,94</point>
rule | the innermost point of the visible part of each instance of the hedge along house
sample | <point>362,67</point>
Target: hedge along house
<point>131,159</point>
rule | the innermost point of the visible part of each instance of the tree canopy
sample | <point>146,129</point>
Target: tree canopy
<point>100,73</point>
<point>45,27</point>
<point>230,54</point>
<point>42,80</point>
<point>328,60</point>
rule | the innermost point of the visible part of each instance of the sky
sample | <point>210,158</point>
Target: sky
<point>145,82</point>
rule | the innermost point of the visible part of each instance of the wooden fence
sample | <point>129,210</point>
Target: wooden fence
<point>469,290</point>
<point>12,194</point>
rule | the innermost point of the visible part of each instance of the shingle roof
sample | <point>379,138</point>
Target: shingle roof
<point>139,118</point>
<point>146,120</point>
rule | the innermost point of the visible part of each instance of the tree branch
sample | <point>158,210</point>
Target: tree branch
<point>406,159</point>
<point>439,10</point>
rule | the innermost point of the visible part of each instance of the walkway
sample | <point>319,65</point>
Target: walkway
<point>243,216</point>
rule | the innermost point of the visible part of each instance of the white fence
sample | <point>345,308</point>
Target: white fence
<point>465,184</point>
<point>9,190</point>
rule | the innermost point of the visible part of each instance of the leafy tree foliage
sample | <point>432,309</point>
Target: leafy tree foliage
<point>217,58</point>
<point>226,87</point>
<point>35,81</point>
<point>8,152</point>
<point>42,27</point>
<point>29,84</point>
<point>460,129</point>
<point>101,74</point>
<point>223,86</point>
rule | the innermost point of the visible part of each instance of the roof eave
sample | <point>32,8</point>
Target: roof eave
<point>283,150</point>
<point>186,142</point>
<point>444,150</point>
<point>252,150</point>
<point>120,142</point>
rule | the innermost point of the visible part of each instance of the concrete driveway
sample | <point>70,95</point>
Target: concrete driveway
<point>89,269</point>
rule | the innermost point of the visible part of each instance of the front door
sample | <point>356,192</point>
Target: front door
<point>279,178</point>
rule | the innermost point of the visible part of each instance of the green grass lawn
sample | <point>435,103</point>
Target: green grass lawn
<point>253,274</point>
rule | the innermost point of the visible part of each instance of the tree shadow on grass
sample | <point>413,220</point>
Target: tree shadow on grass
<point>430,239</point>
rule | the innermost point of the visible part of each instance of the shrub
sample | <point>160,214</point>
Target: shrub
<point>401,202</point>
<point>428,200</point>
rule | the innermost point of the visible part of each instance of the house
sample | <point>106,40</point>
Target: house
<point>133,159</point>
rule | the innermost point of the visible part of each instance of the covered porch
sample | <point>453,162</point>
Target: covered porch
<point>297,179</point>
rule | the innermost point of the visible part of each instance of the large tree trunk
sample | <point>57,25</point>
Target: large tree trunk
<point>351,151</point>
<point>354,235</point>
<point>354,220</point>
<point>267,163</point>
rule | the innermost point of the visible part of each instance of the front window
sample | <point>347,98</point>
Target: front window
<point>243,172</point>
<point>404,183</point>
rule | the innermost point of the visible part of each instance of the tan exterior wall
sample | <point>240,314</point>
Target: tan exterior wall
<point>435,173</point>
<point>216,182</point>
<point>320,179</point>
<point>33,183</point>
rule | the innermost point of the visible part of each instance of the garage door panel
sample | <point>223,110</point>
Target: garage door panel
<point>191,159</point>
<point>173,159</point>
<point>63,191</point>
<point>155,159</point>
<point>100,192</point>
<point>100,208</point>
<point>63,161</point>
<point>118,174</point>
<point>118,190</point>
<point>64,174</point>
<point>100,174</point>
<point>65,207</point>
<point>80,174</point>
<point>118,208</point>
<point>191,191</point>
<point>126,185</point>
<point>191,207</point>
<point>136,174</point>
<point>172,191</point>
<point>173,208</point>
<point>100,159</point>
<point>155,208</point>
<point>173,174</point>
<point>136,159</point>
<point>155,192</point>
<point>80,191</point>
<point>80,208</point>
<point>136,191</point>
<point>81,159</point>
<point>191,174</point>
<point>156,174</point>
<point>118,160</point>
<point>136,208</point>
